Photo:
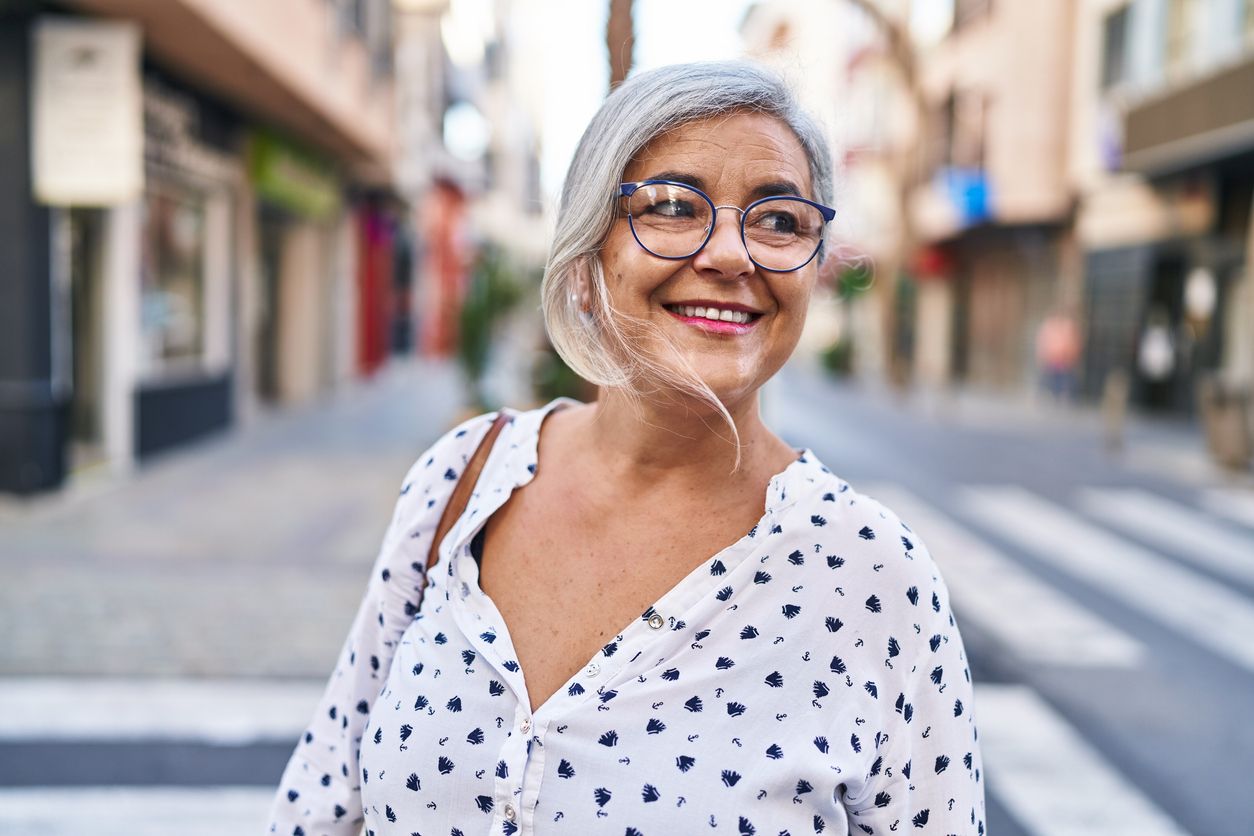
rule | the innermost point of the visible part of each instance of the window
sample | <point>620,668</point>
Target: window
<point>1183,29</point>
<point>1115,48</point>
<point>942,140</point>
<point>969,11</point>
<point>969,128</point>
<point>352,15</point>
<point>960,126</point>
<point>173,279</point>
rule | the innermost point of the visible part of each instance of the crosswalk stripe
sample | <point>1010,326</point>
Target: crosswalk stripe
<point>1029,616</point>
<point>1184,531</point>
<point>1049,778</point>
<point>1207,612</point>
<point>150,811</point>
<point>1236,506</point>
<point>211,711</point>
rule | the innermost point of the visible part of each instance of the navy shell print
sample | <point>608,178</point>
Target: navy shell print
<point>809,678</point>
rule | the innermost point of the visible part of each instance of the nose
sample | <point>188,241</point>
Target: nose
<point>724,255</point>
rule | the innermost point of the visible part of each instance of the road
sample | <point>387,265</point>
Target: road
<point>170,635</point>
<point>1106,602</point>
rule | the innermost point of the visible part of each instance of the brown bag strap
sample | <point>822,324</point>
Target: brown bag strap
<point>465,485</point>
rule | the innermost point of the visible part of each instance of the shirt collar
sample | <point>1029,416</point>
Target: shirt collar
<point>513,459</point>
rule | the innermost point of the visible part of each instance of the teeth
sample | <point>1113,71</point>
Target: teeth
<point>713,314</point>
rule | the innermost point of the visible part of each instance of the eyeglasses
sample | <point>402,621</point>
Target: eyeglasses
<point>675,221</point>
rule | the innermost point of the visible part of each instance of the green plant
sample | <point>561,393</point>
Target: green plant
<point>837,358</point>
<point>552,378</point>
<point>495,288</point>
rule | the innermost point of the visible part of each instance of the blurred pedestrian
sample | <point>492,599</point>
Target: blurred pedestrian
<point>1156,358</point>
<point>652,615</point>
<point>1058,353</point>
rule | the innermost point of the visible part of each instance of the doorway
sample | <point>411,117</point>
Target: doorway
<point>86,234</point>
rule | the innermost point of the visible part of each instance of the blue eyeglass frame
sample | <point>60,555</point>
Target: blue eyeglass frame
<point>629,189</point>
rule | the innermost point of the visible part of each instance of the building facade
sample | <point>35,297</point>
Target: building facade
<point>253,263</point>
<point>1163,163</point>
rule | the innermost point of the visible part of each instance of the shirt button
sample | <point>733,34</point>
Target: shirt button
<point>656,621</point>
<point>510,814</point>
<point>525,726</point>
<point>592,669</point>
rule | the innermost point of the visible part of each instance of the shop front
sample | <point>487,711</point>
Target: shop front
<point>298,334</point>
<point>187,267</point>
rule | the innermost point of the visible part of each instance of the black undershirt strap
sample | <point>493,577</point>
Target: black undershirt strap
<point>476,547</point>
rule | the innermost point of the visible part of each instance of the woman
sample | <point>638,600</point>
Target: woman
<point>654,616</point>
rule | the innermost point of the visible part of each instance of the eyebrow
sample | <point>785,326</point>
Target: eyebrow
<point>679,177</point>
<point>774,188</point>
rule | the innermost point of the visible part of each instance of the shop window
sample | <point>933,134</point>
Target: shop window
<point>173,281</point>
<point>1115,48</point>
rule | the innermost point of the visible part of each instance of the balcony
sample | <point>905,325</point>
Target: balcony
<point>1205,121</point>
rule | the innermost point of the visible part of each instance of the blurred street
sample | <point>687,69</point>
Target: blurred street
<point>168,636</point>
<point>255,257</point>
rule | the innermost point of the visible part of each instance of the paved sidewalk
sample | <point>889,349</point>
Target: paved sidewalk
<point>245,555</point>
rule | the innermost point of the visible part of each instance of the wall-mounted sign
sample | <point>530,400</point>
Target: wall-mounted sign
<point>87,117</point>
<point>292,177</point>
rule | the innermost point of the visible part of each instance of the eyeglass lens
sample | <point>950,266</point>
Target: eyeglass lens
<point>674,221</point>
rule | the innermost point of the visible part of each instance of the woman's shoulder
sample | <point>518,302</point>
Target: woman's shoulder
<point>456,444</point>
<point>444,460</point>
<point>854,530</point>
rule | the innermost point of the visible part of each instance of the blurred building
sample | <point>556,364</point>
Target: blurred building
<point>477,187</point>
<point>992,210</point>
<point>1089,157</point>
<point>200,219</point>
<point>1163,163</point>
<point>831,54</point>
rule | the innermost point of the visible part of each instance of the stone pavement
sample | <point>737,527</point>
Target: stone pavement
<point>244,555</point>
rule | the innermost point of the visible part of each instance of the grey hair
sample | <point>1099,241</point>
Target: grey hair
<point>594,343</point>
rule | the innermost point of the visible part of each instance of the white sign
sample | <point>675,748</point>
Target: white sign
<point>87,120</point>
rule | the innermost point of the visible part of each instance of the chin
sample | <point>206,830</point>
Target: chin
<point>731,386</point>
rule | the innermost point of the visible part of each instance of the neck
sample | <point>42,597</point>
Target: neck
<point>651,439</point>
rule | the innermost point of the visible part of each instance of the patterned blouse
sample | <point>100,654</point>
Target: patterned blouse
<point>809,678</point>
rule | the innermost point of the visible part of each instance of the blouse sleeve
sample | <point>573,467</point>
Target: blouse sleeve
<point>929,776</point>
<point>319,793</point>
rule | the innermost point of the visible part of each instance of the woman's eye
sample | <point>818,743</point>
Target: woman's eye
<point>672,209</point>
<point>778,222</point>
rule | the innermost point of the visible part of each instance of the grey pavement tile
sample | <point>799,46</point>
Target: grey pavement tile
<point>245,555</point>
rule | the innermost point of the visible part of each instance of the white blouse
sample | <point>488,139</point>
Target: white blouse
<point>809,678</point>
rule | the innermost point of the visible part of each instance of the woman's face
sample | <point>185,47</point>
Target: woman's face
<point>736,160</point>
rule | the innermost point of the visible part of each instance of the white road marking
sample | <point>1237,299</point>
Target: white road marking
<point>1235,505</point>
<point>1049,778</point>
<point>1207,612</point>
<point>212,711</point>
<point>1179,528</point>
<point>148,811</point>
<point>1033,619</point>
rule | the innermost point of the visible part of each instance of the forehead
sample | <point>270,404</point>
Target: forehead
<point>741,146</point>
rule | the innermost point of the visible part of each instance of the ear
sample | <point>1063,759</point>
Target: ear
<point>581,288</point>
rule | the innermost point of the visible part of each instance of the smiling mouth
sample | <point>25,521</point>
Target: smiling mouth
<point>713,314</point>
<point>712,320</point>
